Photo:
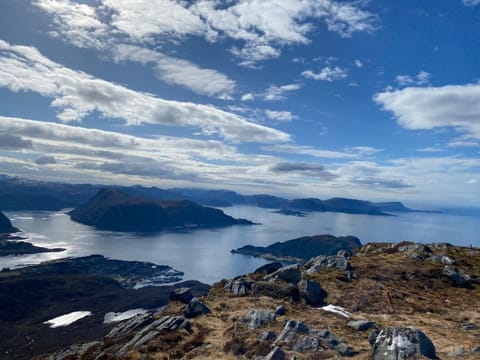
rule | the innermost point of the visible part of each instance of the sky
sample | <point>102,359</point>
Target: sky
<point>376,100</point>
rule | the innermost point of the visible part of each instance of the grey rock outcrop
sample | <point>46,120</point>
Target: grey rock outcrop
<point>322,262</point>
<point>183,294</point>
<point>195,308</point>
<point>280,310</point>
<point>361,325</point>
<point>257,318</point>
<point>416,251</point>
<point>291,329</point>
<point>240,287</point>
<point>150,332</point>
<point>441,259</point>
<point>290,274</point>
<point>269,268</point>
<point>333,342</point>
<point>266,336</point>
<point>400,343</point>
<point>312,292</point>
<point>458,277</point>
<point>306,343</point>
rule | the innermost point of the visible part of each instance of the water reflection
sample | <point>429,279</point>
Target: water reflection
<point>205,254</point>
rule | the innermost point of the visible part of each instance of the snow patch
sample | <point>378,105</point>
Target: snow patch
<point>67,319</point>
<point>120,316</point>
<point>337,310</point>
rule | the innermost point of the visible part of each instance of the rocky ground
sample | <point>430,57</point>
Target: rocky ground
<point>393,302</point>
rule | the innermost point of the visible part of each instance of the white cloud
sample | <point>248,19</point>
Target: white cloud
<point>77,94</point>
<point>260,28</point>
<point>421,79</point>
<point>247,97</point>
<point>276,93</point>
<point>435,107</point>
<point>327,74</point>
<point>431,149</point>
<point>358,63</point>
<point>177,71</point>
<point>471,2</point>
<point>279,115</point>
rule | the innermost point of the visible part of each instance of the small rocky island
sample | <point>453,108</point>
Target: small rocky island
<point>302,248</point>
<point>115,210</point>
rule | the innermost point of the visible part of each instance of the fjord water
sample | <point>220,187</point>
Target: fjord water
<point>205,254</point>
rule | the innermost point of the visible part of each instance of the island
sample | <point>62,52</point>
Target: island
<point>112,209</point>
<point>303,248</point>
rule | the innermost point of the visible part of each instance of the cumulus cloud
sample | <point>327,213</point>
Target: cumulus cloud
<point>327,74</point>
<point>428,108</point>
<point>14,142</point>
<point>279,115</point>
<point>421,79</point>
<point>260,28</point>
<point>77,94</point>
<point>276,93</point>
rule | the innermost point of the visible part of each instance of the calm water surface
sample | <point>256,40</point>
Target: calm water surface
<point>205,254</point>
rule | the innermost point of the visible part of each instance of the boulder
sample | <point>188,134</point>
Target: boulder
<point>458,277</point>
<point>361,325</point>
<point>311,292</point>
<point>280,310</point>
<point>269,268</point>
<point>291,329</point>
<point>470,326</point>
<point>441,259</point>
<point>347,254</point>
<point>476,349</point>
<point>276,354</point>
<point>266,336</point>
<point>290,274</point>
<point>322,262</point>
<point>239,287</point>
<point>306,343</point>
<point>457,352</point>
<point>183,294</point>
<point>257,318</point>
<point>399,343</point>
<point>333,342</point>
<point>195,308</point>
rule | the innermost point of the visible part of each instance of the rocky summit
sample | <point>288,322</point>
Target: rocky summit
<point>397,303</point>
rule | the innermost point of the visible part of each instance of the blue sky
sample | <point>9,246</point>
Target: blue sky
<point>372,99</point>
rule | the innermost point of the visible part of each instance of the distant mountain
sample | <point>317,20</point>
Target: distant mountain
<point>22,194</point>
<point>6,226</point>
<point>302,248</point>
<point>112,209</point>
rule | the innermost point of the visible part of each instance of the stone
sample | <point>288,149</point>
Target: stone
<point>458,277</point>
<point>347,254</point>
<point>457,352</point>
<point>258,318</point>
<point>290,330</point>
<point>373,336</point>
<point>73,351</point>
<point>290,274</point>
<point>240,287</point>
<point>266,336</point>
<point>441,259</point>
<point>306,343</point>
<point>195,308</point>
<point>269,268</point>
<point>400,343</point>
<point>312,292</point>
<point>280,310</point>
<point>151,331</point>
<point>361,325</point>
<point>276,354</point>
<point>322,262</point>
<point>333,342</point>
<point>183,294</point>
<point>470,326</point>
<point>476,349</point>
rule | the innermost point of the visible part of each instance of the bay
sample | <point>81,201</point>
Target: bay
<point>205,254</point>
